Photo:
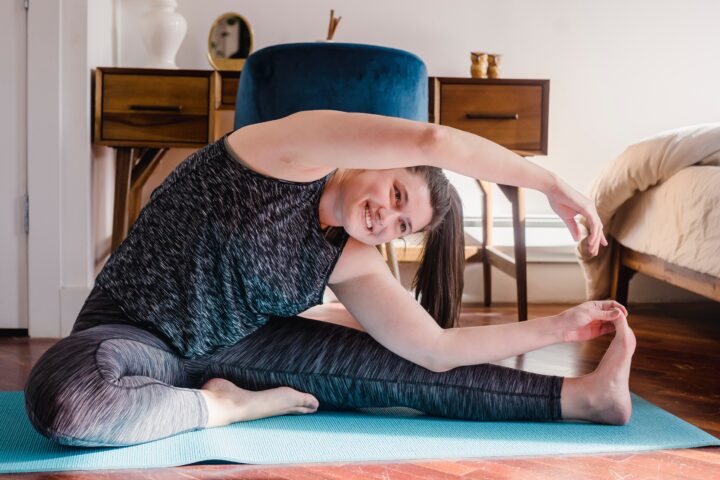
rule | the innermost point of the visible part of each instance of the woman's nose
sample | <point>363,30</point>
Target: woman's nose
<point>387,216</point>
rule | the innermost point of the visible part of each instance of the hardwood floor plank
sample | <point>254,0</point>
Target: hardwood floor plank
<point>709,455</point>
<point>425,469</point>
<point>601,467</point>
<point>450,468</point>
<point>668,465</point>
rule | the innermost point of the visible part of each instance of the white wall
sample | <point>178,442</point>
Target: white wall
<point>619,70</point>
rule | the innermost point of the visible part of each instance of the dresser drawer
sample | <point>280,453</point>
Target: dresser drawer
<point>146,107</point>
<point>512,113</point>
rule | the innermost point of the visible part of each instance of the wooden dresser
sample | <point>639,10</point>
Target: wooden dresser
<point>143,112</point>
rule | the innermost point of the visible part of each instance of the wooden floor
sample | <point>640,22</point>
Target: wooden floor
<point>675,367</point>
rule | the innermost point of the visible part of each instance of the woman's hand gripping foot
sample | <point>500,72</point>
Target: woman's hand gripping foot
<point>603,396</point>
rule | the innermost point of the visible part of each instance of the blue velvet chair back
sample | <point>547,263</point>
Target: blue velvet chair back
<point>283,79</point>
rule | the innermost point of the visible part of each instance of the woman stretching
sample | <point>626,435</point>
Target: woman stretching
<point>194,320</point>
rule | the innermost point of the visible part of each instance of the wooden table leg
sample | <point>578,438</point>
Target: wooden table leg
<point>129,181</point>
<point>146,165</point>
<point>516,196</point>
<point>123,173</point>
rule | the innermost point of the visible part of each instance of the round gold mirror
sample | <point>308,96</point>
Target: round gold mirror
<point>230,42</point>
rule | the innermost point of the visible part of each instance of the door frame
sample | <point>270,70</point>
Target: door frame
<point>60,263</point>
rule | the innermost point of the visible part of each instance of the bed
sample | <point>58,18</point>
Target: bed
<point>660,206</point>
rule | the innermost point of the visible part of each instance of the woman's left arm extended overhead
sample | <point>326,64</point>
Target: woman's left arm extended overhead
<point>326,138</point>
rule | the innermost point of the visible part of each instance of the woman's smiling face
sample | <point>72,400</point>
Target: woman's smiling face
<point>377,206</point>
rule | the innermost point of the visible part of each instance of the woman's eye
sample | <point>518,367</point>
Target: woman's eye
<point>397,195</point>
<point>403,227</point>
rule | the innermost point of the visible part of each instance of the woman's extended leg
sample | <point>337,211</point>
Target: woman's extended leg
<point>345,369</point>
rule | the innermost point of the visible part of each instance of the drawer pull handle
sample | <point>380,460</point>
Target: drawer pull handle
<point>156,108</point>
<point>492,116</point>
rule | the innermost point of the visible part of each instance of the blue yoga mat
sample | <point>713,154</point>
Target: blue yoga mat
<point>368,434</point>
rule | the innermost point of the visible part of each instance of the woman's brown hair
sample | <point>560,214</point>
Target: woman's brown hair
<point>439,280</point>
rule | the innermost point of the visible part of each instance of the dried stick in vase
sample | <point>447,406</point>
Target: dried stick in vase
<point>333,24</point>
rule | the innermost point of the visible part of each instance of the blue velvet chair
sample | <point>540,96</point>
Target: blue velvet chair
<point>283,79</point>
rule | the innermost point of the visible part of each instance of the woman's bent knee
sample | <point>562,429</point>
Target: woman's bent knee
<point>59,389</point>
<point>104,388</point>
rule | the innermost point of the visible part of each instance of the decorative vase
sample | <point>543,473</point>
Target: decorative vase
<point>163,30</point>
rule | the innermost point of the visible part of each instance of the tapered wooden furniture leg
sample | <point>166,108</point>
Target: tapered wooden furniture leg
<point>621,275</point>
<point>146,165</point>
<point>520,253</point>
<point>123,172</point>
<point>486,190</point>
<point>392,260</point>
<point>516,196</point>
<point>388,251</point>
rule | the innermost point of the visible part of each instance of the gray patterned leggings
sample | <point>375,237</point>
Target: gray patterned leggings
<point>114,384</point>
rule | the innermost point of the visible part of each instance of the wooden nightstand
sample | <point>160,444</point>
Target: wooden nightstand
<point>143,112</point>
<point>513,113</point>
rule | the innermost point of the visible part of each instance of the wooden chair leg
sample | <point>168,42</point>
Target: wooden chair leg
<point>486,190</point>
<point>123,173</point>
<point>518,209</point>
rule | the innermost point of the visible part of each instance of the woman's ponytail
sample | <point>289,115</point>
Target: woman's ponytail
<point>438,283</point>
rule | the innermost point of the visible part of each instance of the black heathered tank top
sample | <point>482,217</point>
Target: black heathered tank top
<point>217,250</point>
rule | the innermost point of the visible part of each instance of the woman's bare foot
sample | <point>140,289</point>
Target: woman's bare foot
<point>603,396</point>
<point>227,403</point>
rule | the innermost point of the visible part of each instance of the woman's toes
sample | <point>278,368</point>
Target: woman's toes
<point>311,402</point>
<point>301,410</point>
<point>279,401</point>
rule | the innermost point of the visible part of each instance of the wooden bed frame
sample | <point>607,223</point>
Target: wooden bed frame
<point>627,262</point>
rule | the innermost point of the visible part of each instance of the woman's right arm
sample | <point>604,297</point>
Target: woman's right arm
<point>364,284</point>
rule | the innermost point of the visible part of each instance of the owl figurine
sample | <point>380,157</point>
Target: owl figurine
<point>479,65</point>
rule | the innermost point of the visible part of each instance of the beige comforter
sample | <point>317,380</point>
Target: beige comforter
<point>661,197</point>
